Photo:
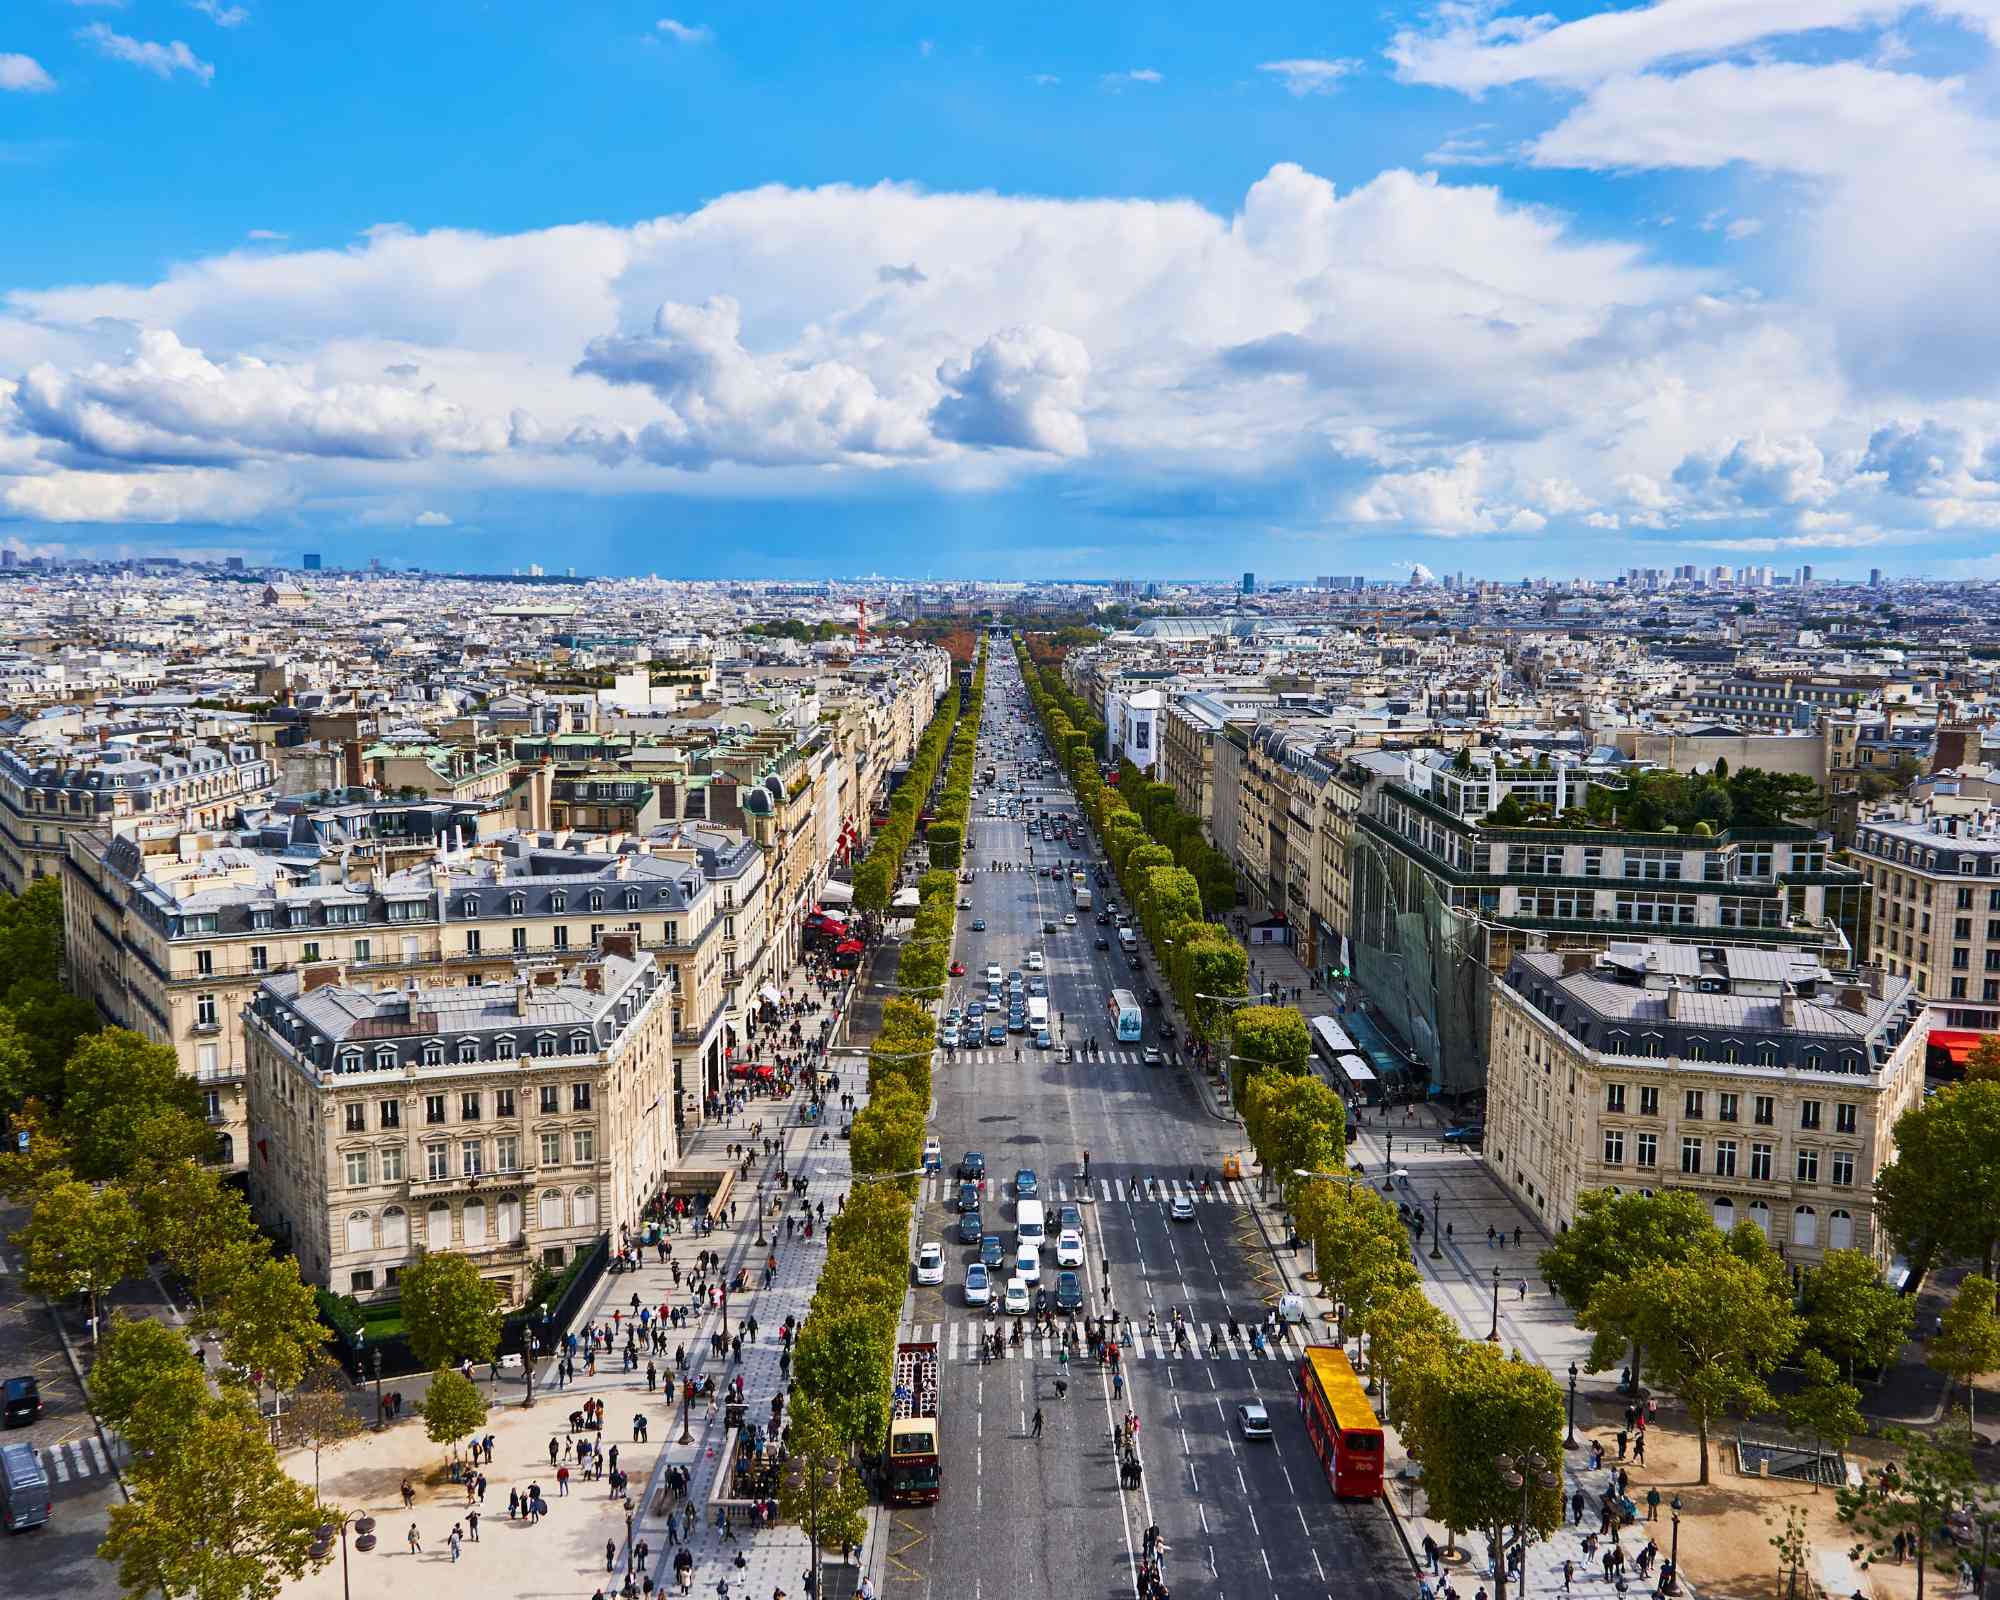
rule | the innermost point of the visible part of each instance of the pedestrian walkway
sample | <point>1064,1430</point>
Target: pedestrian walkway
<point>960,1341</point>
<point>76,1459</point>
<point>1118,1191</point>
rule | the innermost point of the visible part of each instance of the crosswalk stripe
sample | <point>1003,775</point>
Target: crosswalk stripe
<point>57,1463</point>
<point>97,1451</point>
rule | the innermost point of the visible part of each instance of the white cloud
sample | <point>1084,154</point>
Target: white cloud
<point>1135,75</point>
<point>685,32</point>
<point>1446,502</point>
<point>24,75</point>
<point>1020,390</point>
<point>266,235</point>
<point>1743,228</point>
<point>203,495</point>
<point>162,60</point>
<point>1306,75</point>
<point>1464,150</point>
<point>432,519</point>
<point>1045,80</point>
<point>221,14</point>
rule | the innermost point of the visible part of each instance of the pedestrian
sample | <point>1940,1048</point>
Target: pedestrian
<point>1521,1290</point>
<point>1639,1449</point>
<point>455,1539</point>
<point>416,1544</point>
<point>409,1494</point>
<point>1622,1437</point>
<point>472,1526</point>
<point>1038,1422</point>
<point>610,1554</point>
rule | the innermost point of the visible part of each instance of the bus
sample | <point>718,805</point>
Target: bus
<point>1340,1423</point>
<point>1123,1010</point>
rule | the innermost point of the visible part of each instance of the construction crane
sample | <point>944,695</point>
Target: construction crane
<point>860,626</point>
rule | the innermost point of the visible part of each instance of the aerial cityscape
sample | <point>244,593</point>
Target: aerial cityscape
<point>891,804</point>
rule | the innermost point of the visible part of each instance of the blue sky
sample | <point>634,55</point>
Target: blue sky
<point>1088,291</point>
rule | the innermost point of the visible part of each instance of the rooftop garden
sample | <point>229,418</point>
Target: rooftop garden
<point>1701,803</point>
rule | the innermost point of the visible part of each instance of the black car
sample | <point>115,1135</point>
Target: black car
<point>968,1197</point>
<point>1472,1133</point>
<point>23,1401</point>
<point>972,1165</point>
<point>1069,1292</point>
<point>1104,919</point>
<point>968,1227</point>
<point>1103,943</point>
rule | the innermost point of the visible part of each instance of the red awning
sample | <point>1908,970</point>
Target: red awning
<point>1958,1045</point>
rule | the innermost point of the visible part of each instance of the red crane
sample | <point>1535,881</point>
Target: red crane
<point>860,626</point>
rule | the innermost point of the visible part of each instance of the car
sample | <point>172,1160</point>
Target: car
<point>965,902</point>
<point>1473,1133</point>
<point>1045,1040</point>
<point>968,1197</point>
<point>1051,925</point>
<point>1034,961</point>
<point>992,1250</point>
<point>23,1401</point>
<point>1253,1420</point>
<point>1182,1209</point>
<point>1028,1263</point>
<point>1104,919</point>
<point>977,924</point>
<point>1026,1185</point>
<point>1151,1055</point>
<point>1017,1021</point>
<point>968,1227</point>
<point>978,1285</point>
<point>996,1034</point>
<point>1103,943</point>
<point>1069,1248</point>
<point>1069,919</point>
<point>972,1165</point>
<point>930,1262</point>
<point>958,969</point>
<point>1016,1300</point>
<point>1069,1219</point>
<point>1069,1292</point>
<point>1016,978</point>
<point>947,1036</point>
<point>1038,988</point>
<point>933,1156</point>
<point>975,1011</point>
<point>993,973</point>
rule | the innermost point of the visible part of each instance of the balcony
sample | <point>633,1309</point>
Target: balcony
<point>477,1183</point>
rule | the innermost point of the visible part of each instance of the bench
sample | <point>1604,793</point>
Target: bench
<point>511,1363</point>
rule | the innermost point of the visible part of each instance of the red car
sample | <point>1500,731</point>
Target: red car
<point>958,969</point>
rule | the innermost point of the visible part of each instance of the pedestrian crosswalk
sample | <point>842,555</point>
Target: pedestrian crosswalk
<point>1130,1191</point>
<point>1030,1054</point>
<point>959,1341</point>
<point>74,1459</point>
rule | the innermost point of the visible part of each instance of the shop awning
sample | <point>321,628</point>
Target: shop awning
<point>1958,1045</point>
<point>769,994</point>
<point>836,893</point>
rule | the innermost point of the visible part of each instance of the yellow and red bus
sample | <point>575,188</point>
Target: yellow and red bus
<point>1340,1423</point>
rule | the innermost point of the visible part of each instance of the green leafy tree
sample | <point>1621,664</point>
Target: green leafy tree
<point>200,1224</point>
<point>1360,1245</point>
<point>1967,1347</point>
<point>1851,1313</point>
<point>1469,1408</point>
<point>1715,1325</point>
<point>216,1518</point>
<point>1614,1234</point>
<point>36,1156</point>
<point>1267,1037</point>
<point>843,1364</point>
<point>145,1366</point>
<point>80,1241</point>
<point>1793,1547</point>
<point>1408,1334</point>
<point>270,1323</point>
<point>1912,1498</point>
<point>1942,1192</point>
<point>450,1313</point>
<point>1825,1408</point>
<point>454,1408</point>
<point>819,1488</point>
<point>872,880</point>
<point>114,1085</point>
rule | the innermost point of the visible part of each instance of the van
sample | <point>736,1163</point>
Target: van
<point>1029,1227</point>
<point>1128,941</point>
<point>1038,1013</point>
<point>24,1488</point>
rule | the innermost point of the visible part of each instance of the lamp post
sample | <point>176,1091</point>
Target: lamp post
<point>1437,1198</point>
<point>375,1357</point>
<point>1526,1473</point>
<point>1569,1439</point>
<point>1675,1506</point>
<point>322,1544</point>
<point>687,1400</point>
<point>762,1242</point>
<point>1493,1333</point>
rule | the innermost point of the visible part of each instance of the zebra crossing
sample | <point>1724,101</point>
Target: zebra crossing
<point>75,1459</point>
<point>999,1057</point>
<point>959,1342</point>
<point>1131,1191</point>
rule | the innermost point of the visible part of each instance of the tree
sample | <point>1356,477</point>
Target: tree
<point>1825,1408</point>
<point>1613,1234</point>
<point>1793,1548</point>
<point>1266,1037</point>
<point>1967,1347</point>
<point>1715,1325</point>
<point>843,1363</point>
<point>80,1241</point>
<point>1936,1475</point>
<point>1942,1192</point>
<point>321,1418</point>
<point>1851,1313</point>
<point>819,1488</point>
<point>453,1409</point>
<point>1408,1334</point>
<point>270,1322</point>
<point>1984,1061</point>
<point>216,1518</point>
<point>1470,1407</point>
<point>450,1313</point>
<point>143,1366</point>
<point>113,1084</point>
<point>36,1156</point>
<point>1360,1245</point>
<point>199,1223</point>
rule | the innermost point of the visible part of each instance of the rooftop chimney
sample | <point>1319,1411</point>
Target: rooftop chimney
<point>1853,997</point>
<point>1575,961</point>
<point>319,977</point>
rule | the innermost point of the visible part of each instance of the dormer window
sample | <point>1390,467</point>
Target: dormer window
<point>579,1044</point>
<point>350,1061</point>
<point>434,1053</point>
<point>559,902</point>
<point>468,1050</point>
<point>631,899</point>
<point>516,904</point>
<point>468,907</point>
<point>596,899</point>
<point>385,1059</point>
<point>503,1048</point>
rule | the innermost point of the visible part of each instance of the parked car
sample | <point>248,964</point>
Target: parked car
<point>23,1401</point>
<point>1471,1133</point>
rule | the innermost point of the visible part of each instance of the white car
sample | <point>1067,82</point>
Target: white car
<point>930,1263</point>
<point>994,974</point>
<point>933,1156</point>
<point>1182,1209</point>
<point>1014,1301</point>
<point>1069,1248</point>
<point>1034,961</point>
<point>965,902</point>
<point>1028,1264</point>
<point>948,1036</point>
<point>1069,919</point>
<point>978,1287</point>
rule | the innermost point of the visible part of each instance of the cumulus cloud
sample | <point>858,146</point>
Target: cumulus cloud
<point>162,60</point>
<point>1304,75</point>
<point>23,75</point>
<point>911,274</point>
<point>432,519</point>
<point>202,495</point>
<point>1020,390</point>
<point>684,32</point>
<point>1759,472</point>
<point>1445,501</point>
<point>221,14</point>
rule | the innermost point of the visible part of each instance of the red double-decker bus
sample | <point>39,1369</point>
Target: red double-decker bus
<point>1340,1422</point>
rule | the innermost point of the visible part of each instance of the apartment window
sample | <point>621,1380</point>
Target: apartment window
<point>309,951</point>
<point>1961,927</point>
<point>1614,1098</point>
<point>364,949</point>
<point>549,1100</point>
<point>1989,991</point>
<point>559,902</point>
<point>361,1282</point>
<point>551,1149</point>
<point>1961,959</point>
<point>1765,1111</point>
<point>260,958</point>
<point>507,1153</point>
<point>560,936</point>
<point>1725,1158</point>
<point>472,1158</point>
<point>1649,1100</point>
<point>356,1117</point>
<point>1760,1163</point>
<point>520,938</point>
<point>204,963</point>
<point>1958,988</point>
<point>1808,1166</point>
<point>437,1162</point>
<point>357,1168</point>
<point>392,1163</point>
<point>204,1010</point>
<point>468,1108</point>
<point>1843,1169</point>
<point>545,1046</point>
<point>433,1108</point>
<point>472,941</point>
<point>391,1113</point>
<point>1964,904</point>
<point>579,1097</point>
<point>503,1048</point>
<point>1690,1155</point>
<point>1691,1104</point>
<point>503,1103</point>
<point>584,1145</point>
<point>1725,1107</point>
<point>1646,1150</point>
<point>434,1053</point>
<point>1846,1116</point>
<point>1809,1113</point>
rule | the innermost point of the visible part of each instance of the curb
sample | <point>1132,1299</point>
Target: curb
<point>76,1366</point>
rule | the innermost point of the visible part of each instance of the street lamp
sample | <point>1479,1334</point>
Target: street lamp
<point>762,1242</point>
<point>1493,1334</point>
<point>1569,1439</point>
<point>1675,1506</point>
<point>1526,1473</point>
<point>375,1356</point>
<point>322,1544</point>
<point>1437,1197</point>
<point>687,1400</point>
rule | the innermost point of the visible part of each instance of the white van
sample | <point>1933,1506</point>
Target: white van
<point>1029,1226</point>
<point>1128,941</point>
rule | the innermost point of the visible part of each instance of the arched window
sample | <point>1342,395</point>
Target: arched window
<point>1760,1213</point>
<point>395,1229</point>
<point>1840,1230</point>
<point>468,907</point>
<point>508,1227</point>
<point>360,1231</point>
<point>585,1212</point>
<point>225,1147</point>
<point>516,904</point>
<point>596,899</point>
<point>1724,1212</point>
<point>559,901</point>
<point>437,1226</point>
<point>472,1223</point>
<point>552,1208</point>
<point>1805,1228</point>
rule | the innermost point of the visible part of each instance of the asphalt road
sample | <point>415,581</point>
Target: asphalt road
<point>1022,1516</point>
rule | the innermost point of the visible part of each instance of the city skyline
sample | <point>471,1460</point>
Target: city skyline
<point>1481,290</point>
